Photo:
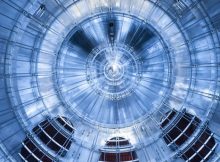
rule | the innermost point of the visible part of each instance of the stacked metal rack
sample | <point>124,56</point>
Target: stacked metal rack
<point>50,138</point>
<point>185,133</point>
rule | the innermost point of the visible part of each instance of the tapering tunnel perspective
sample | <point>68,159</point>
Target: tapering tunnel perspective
<point>110,80</point>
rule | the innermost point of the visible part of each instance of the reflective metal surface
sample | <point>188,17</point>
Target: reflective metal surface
<point>113,67</point>
<point>108,68</point>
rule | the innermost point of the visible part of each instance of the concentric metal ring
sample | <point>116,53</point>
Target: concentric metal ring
<point>121,74</point>
<point>113,71</point>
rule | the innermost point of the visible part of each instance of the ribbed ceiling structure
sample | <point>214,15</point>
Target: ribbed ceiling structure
<point>100,69</point>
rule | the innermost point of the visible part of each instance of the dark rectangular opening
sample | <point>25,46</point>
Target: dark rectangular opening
<point>53,146</point>
<point>60,139</point>
<point>197,145</point>
<point>192,127</point>
<point>210,144</point>
<point>165,122</point>
<point>183,123</point>
<point>181,140</point>
<point>53,133</point>
<point>127,156</point>
<point>110,157</point>
<point>50,129</point>
<point>27,155</point>
<point>205,135</point>
<point>44,138</point>
<point>196,158</point>
<point>188,153</point>
<point>204,151</point>
<point>36,151</point>
<point>24,152</point>
<point>173,133</point>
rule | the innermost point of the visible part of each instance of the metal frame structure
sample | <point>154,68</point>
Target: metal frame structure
<point>179,70</point>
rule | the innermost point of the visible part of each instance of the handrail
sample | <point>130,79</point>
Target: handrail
<point>174,121</point>
<point>182,131</point>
